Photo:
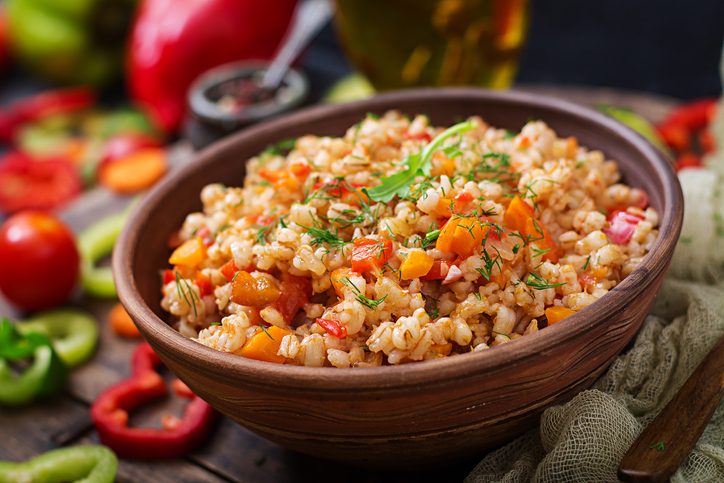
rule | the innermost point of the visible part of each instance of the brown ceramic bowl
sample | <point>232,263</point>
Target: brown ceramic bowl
<point>413,415</point>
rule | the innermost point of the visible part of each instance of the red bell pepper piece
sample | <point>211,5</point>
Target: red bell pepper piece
<point>173,41</point>
<point>204,284</point>
<point>42,105</point>
<point>333,327</point>
<point>295,295</point>
<point>110,414</point>
<point>42,185</point>
<point>687,160</point>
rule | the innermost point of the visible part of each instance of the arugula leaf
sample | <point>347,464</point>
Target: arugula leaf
<point>418,164</point>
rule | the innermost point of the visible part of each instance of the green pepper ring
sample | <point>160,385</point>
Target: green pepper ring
<point>94,243</point>
<point>74,333</point>
<point>43,377</point>
<point>87,463</point>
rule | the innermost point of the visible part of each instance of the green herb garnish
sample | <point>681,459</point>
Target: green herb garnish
<point>418,164</point>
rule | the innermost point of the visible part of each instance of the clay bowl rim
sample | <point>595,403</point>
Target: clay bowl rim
<point>442,371</point>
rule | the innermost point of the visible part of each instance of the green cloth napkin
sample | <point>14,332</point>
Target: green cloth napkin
<point>585,439</point>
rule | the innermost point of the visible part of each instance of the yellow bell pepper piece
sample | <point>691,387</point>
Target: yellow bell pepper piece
<point>416,265</point>
<point>264,345</point>
<point>192,252</point>
<point>555,314</point>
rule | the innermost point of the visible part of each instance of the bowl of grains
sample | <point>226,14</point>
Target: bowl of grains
<point>404,281</point>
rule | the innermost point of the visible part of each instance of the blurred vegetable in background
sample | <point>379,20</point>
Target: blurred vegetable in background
<point>71,42</point>
<point>173,41</point>
<point>39,261</point>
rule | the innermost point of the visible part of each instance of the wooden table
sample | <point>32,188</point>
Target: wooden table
<point>232,454</point>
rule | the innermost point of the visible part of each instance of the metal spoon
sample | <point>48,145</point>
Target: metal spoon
<point>661,448</point>
<point>309,18</point>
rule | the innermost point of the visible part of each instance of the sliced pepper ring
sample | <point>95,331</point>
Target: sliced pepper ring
<point>94,243</point>
<point>74,333</point>
<point>110,414</point>
<point>87,463</point>
<point>45,375</point>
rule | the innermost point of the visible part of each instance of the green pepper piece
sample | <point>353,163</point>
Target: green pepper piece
<point>95,242</point>
<point>74,333</point>
<point>86,464</point>
<point>45,375</point>
<point>71,41</point>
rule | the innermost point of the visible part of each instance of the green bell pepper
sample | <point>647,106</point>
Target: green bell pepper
<point>94,243</point>
<point>73,333</point>
<point>87,464</point>
<point>43,377</point>
<point>71,41</point>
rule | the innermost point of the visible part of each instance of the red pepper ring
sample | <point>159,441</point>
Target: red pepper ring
<point>178,437</point>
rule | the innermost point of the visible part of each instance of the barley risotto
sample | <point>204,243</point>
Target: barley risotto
<point>403,242</point>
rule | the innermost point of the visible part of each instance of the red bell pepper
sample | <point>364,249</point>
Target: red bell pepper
<point>44,104</point>
<point>333,327</point>
<point>41,185</point>
<point>110,414</point>
<point>369,253</point>
<point>173,41</point>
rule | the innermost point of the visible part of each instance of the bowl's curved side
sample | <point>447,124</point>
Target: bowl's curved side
<point>419,413</point>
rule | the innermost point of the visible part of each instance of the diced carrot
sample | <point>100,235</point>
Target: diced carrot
<point>252,291</point>
<point>204,284</point>
<point>191,253</point>
<point>229,269</point>
<point>338,279</point>
<point>369,253</point>
<point>416,264</point>
<point>517,214</point>
<point>264,345</point>
<point>539,235</point>
<point>121,323</point>
<point>557,313</point>
<point>134,172</point>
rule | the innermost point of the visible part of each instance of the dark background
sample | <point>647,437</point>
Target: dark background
<point>669,47</point>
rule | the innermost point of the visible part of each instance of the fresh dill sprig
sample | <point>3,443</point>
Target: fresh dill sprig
<point>539,283</point>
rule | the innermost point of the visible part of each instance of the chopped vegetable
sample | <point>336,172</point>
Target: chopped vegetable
<point>339,279</point>
<point>517,214</point>
<point>623,225</point>
<point>416,264</point>
<point>333,327</point>
<point>27,184</point>
<point>204,284</point>
<point>95,242</point>
<point>121,323</point>
<point>438,271</point>
<point>369,254</point>
<point>43,377</point>
<point>229,269</point>
<point>191,253</point>
<point>418,164</point>
<point>252,291</point>
<point>556,313</point>
<point>264,345</point>
<point>295,293</point>
<point>134,172</point>
<point>72,332</point>
<point>110,414</point>
<point>84,463</point>
<point>461,235</point>
<point>290,177</point>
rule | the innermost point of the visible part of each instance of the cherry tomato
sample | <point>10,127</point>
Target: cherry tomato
<point>39,261</point>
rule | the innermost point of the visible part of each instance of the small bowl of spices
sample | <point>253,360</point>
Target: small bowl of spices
<point>231,96</point>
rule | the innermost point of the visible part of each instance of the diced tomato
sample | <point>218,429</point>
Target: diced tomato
<point>464,197</point>
<point>369,253</point>
<point>333,327</point>
<point>27,184</point>
<point>229,269</point>
<point>204,284</point>
<point>295,295</point>
<point>423,136</point>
